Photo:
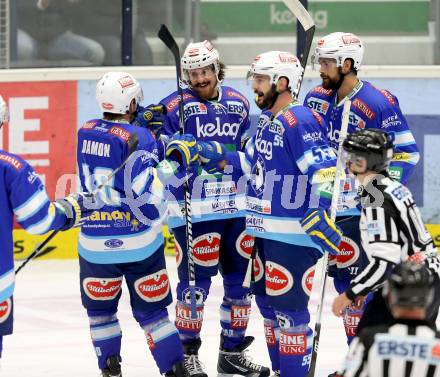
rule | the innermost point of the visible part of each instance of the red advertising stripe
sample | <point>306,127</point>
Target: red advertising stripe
<point>42,127</point>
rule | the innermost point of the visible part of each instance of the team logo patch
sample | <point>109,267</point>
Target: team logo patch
<point>244,244</point>
<point>258,269</point>
<point>307,280</point>
<point>293,344</point>
<point>278,279</point>
<point>5,310</point>
<point>179,254</point>
<point>206,249</point>
<point>154,287</point>
<point>102,288</point>
<point>348,253</point>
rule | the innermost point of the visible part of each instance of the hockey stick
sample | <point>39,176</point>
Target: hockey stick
<point>166,37</point>
<point>133,142</point>
<point>333,208</point>
<point>308,25</point>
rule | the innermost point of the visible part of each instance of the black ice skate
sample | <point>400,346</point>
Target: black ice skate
<point>277,373</point>
<point>237,362</point>
<point>113,367</point>
<point>193,366</point>
<point>177,371</point>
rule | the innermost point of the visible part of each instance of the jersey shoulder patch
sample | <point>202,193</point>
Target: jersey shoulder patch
<point>233,93</point>
<point>322,91</point>
<point>289,118</point>
<point>90,124</point>
<point>172,101</point>
<point>120,132</point>
<point>11,160</point>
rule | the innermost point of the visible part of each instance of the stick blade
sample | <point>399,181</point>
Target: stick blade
<point>300,13</point>
<point>166,37</point>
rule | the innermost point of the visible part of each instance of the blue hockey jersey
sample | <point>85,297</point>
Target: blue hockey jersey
<point>370,108</point>
<point>21,194</point>
<point>225,120</point>
<point>127,228</point>
<point>292,168</point>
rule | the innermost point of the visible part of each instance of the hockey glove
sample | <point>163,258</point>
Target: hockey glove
<point>184,150</point>
<point>77,207</point>
<point>151,117</point>
<point>322,230</point>
<point>211,153</point>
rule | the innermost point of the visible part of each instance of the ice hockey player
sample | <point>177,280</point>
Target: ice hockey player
<point>410,345</point>
<point>23,195</point>
<point>123,239</point>
<point>391,227</point>
<point>212,112</point>
<point>291,166</point>
<point>338,57</point>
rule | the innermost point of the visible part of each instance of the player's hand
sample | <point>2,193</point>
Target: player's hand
<point>184,150</point>
<point>151,117</point>
<point>211,153</point>
<point>339,305</point>
<point>77,207</point>
<point>322,230</point>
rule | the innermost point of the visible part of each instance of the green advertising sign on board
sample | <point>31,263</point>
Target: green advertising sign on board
<point>358,16</point>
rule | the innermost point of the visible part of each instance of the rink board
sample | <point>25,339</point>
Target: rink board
<point>46,114</point>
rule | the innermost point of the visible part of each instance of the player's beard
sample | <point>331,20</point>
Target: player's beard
<point>333,83</point>
<point>268,99</point>
<point>206,90</point>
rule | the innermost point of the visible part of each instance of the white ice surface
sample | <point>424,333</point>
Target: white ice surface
<point>51,337</point>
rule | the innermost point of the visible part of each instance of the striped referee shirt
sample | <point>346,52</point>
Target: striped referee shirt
<point>392,230</point>
<point>407,348</point>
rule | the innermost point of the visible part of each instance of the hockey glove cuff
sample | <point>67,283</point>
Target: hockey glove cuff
<point>322,230</point>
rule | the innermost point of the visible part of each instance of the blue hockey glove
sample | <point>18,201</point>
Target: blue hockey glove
<point>322,230</point>
<point>184,150</point>
<point>77,207</point>
<point>151,117</point>
<point>211,153</point>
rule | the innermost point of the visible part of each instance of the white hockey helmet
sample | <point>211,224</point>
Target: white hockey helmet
<point>339,46</point>
<point>4,111</point>
<point>199,55</point>
<point>116,90</point>
<point>277,64</point>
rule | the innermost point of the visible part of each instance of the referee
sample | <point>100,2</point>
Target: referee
<point>410,346</point>
<point>391,227</point>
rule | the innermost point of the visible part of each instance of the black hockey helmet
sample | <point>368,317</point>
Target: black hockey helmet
<point>374,145</point>
<point>410,285</point>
